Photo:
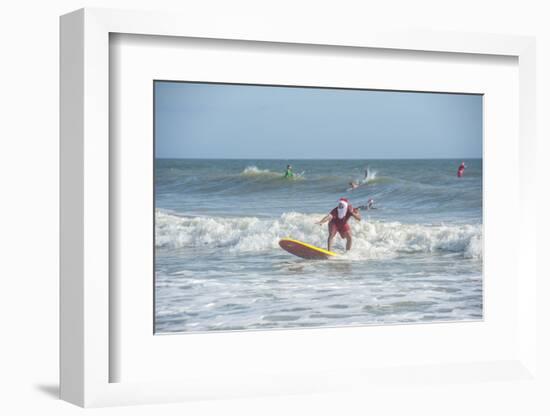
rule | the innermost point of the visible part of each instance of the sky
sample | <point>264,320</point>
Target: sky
<point>203,120</point>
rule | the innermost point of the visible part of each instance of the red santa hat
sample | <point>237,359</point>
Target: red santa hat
<point>343,204</point>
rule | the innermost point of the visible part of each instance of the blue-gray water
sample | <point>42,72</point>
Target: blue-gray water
<point>417,257</point>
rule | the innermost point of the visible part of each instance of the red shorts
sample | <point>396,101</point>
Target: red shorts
<point>342,229</point>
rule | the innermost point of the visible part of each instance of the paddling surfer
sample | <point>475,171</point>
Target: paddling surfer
<point>369,205</point>
<point>289,174</point>
<point>353,185</point>
<point>338,222</point>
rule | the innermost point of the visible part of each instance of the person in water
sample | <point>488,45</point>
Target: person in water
<point>369,205</point>
<point>288,172</point>
<point>353,185</point>
<point>460,171</point>
<point>338,222</point>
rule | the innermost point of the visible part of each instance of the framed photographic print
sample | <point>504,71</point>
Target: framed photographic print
<point>243,171</point>
<point>262,214</point>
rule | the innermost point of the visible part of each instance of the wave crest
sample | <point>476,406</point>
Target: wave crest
<point>370,177</point>
<point>372,239</point>
<point>255,171</point>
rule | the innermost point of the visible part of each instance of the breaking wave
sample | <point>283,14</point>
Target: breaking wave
<point>372,239</point>
<point>370,176</point>
<point>255,171</point>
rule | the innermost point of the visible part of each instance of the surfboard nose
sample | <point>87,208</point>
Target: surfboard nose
<point>304,250</point>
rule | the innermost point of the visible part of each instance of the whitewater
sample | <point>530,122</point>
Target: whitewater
<point>373,239</point>
<point>416,258</point>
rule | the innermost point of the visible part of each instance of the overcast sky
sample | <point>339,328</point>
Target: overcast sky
<point>240,121</point>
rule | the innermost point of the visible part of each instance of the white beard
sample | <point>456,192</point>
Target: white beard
<point>342,211</point>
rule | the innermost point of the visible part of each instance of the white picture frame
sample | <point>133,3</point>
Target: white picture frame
<point>87,355</point>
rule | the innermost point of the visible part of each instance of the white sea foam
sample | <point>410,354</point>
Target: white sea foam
<point>255,171</point>
<point>370,176</point>
<point>474,248</point>
<point>372,239</point>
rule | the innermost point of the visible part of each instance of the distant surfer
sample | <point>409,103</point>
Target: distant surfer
<point>353,185</point>
<point>460,171</point>
<point>289,174</point>
<point>357,183</point>
<point>338,222</point>
<point>369,205</point>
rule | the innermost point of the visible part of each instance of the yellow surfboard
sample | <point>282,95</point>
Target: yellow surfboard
<point>304,250</point>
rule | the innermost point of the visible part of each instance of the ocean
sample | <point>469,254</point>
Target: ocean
<point>416,257</point>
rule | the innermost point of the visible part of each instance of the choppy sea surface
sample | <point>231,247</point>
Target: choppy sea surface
<point>417,257</point>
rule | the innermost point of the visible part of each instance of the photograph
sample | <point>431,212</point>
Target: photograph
<point>294,207</point>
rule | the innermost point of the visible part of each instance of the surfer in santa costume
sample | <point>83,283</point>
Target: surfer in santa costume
<point>338,222</point>
<point>460,171</point>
